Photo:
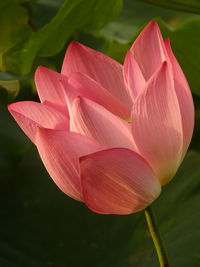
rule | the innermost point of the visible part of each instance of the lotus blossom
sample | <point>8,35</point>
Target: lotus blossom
<point>90,149</point>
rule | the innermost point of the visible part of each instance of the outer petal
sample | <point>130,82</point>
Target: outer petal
<point>157,125</point>
<point>31,115</point>
<point>148,50</point>
<point>133,76</point>
<point>49,88</point>
<point>184,97</point>
<point>60,152</point>
<point>117,181</point>
<point>87,87</point>
<point>93,120</point>
<point>101,68</point>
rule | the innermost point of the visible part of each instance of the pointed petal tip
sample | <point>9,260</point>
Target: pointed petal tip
<point>29,115</point>
<point>149,50</point>
<point>9,107</point>
<point>167,41</point>
<point>151,26</point>
<point>163,68</point>
<point>13,107</point>
<point>164,64</point>
<point>74,45</point>
<point>40,69</point>
<point>153,23</point>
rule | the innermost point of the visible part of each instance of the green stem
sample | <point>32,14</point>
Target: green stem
<point>153,228</point>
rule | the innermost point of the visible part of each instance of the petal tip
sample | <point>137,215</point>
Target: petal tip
<point>40,69</point>
<point>151,26</point>
<point>167,44</point>
<point>74,45</point>
<point>153,23</point>
<point>164,64</point>
<point>40,73</point>
<point>13,107</point>
<point>167,40</point>
<point>9,107</point>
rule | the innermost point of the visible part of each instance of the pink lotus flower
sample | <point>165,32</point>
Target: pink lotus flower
<point>91,152</point>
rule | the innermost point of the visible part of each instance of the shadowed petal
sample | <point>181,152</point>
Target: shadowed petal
<point>117,181</point>
<point>49,88</point>
<point>184,98</point>
<point>101,68</point>
<point>89,88</point>
<point>31,115</point>
<point>93,120</point>
<point>60,152</point>
<point>70,95</point>
<point>157,125</point>
<point>149,50</point>
<point>133,76</point>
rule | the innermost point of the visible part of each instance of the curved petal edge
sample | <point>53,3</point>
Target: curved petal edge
<point>117,181</point>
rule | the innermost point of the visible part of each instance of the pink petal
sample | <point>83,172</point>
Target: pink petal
<point>117,181</point>
<point>60,152</point>
<point>70,95</point>
<point>93,120</point>
<point>149,50</point>
<point>101,68</point>
<point>184,97</point>
<point>89,88</point>
<point>133,76</point>
<point>157,125</point>
<point>49,88</point>
<point>31,115</point>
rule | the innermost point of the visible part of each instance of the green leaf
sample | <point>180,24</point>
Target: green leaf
<point>183,5</point>
<point>103,12</point>
<point>20,44</point>
<point>8,90</point>
<point>14,31</point>
<point>42,11</point>
<point>136,13</point>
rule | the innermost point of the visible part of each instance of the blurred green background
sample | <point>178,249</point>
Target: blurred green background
<point>39,225</point>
